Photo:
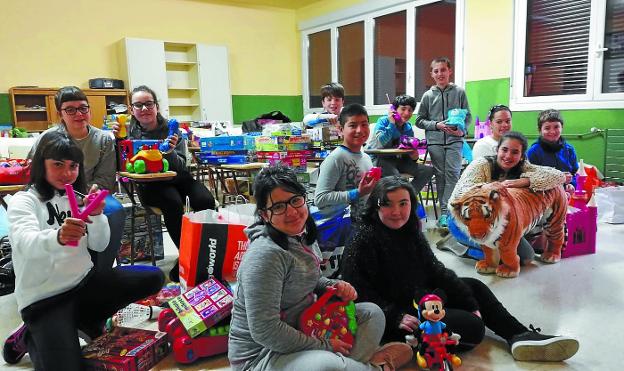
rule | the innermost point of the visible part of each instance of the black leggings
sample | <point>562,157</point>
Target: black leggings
<point>52,323</point>
<point>493,316</point>
<point>170,198</point>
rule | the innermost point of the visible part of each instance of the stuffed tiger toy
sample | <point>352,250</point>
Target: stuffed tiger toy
<point>498,217</point>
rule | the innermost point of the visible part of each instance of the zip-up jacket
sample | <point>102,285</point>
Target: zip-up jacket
<point>434,107</point>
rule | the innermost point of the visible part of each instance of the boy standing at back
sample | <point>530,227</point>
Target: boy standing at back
<point>388,132</point>
<point>332,99</point>
<point>342,179</point>
<point>444,142</point>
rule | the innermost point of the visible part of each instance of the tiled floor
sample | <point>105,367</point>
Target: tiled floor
<point>581,297</point>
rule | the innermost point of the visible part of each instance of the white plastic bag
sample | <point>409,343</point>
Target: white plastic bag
<point>610,202</point>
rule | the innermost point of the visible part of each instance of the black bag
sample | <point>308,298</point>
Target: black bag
<point>7,274</point>
<point>251,126</point>
<point>275,115</point>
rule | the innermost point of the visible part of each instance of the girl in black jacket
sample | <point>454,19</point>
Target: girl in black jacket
<point>390,263</point>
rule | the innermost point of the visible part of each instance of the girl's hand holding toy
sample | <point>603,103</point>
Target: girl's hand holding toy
<point>94,206</point>
<point>72,230</point>
<point>345,291</point>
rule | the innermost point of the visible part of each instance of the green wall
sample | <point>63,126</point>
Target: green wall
<point>485,93</point>
<point>248,107</point>
<point>5,109</point>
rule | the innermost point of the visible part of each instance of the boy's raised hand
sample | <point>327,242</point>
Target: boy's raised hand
<point>367,183</point>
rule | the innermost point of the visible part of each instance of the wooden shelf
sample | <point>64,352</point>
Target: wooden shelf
<point>180,64</point>
<point>181,88</point>
<point>184,105</point>
<point>32,110</point>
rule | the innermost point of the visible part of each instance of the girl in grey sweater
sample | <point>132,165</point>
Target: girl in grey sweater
<point>277,280</point>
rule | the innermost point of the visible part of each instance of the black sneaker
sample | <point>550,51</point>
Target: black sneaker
<point>533,346</point>
<point>174,273</point>
<point>15,345</point>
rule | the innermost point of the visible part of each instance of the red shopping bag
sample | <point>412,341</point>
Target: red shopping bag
<point>212,244</point>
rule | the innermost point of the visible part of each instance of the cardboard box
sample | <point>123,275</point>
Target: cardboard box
<point>203,306</point>
<point>126,349</point>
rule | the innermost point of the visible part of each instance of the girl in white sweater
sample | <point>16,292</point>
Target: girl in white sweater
<point>57,290</point>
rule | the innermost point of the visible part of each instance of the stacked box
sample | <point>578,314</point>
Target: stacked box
<point>227,143</point>
<point>276,155</point>
<point>283,143</point>
<point>203,306</point>
<point>300,165</point>
<point>208,158</point>
<point>126,349</point>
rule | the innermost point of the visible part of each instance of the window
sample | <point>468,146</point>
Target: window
<point>389,57</point>
<point>571,54</point>
<point>319,56</point>
<point>377,48</point>
<point>351,61</point>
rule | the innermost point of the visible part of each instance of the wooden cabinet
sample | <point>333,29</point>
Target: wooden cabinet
<point>191,80</point>
<point>34,108</point>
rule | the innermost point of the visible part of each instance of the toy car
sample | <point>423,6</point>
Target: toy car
<point>147,160</point>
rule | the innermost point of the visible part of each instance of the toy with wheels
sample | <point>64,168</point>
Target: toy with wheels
<point>333,320</point>
<point>187,349</point>
<point>432,348</point>
<point>147,160</point>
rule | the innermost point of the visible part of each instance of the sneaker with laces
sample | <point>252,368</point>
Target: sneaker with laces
<point>443,221</point>
<point>533,346</point>
<point>392,356</point>
<point>15,345</point>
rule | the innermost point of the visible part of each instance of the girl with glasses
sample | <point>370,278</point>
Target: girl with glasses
<point>169,196</point>
<point>390,263</point>
<point>277,280</point>
<point>100,166</point>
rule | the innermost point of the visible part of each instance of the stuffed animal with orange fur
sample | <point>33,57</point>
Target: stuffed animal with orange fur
<point>497,218</point>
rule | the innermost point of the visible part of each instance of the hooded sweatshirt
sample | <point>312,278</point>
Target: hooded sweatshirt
<point>43,267</point>
<point>434,107</point>
<point>274,287</point>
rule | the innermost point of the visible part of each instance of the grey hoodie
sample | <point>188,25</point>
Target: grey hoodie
<point>434,107</point>
<point>274,287</point>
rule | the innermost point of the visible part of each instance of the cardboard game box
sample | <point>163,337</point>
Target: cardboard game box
<point>203,306</point>
<point>126,349</point>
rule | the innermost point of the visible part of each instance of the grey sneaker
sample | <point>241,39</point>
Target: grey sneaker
<point>533,346</point>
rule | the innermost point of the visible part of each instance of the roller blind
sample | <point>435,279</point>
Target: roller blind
<point>557,45</point>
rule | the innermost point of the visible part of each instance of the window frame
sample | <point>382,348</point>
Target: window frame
<point>367,12</point>
<point>594,98</point>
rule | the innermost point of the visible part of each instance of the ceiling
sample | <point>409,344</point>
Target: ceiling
<point>286,4</point>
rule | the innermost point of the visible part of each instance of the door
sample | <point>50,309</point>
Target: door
<point>214,83</point>
<point>146,66</point>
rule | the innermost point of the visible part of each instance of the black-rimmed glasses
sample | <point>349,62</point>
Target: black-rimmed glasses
<point>73,110</point>
<point>139,105</point>
<point>279,208</point>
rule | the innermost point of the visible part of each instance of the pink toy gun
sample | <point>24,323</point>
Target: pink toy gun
<point>374,172</point>
<point>94,201</point>
<point>395,114</point>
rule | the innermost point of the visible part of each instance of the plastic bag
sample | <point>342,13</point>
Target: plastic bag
<point>610,202</point>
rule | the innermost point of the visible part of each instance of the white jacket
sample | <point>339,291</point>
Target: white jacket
<point>43,267</point>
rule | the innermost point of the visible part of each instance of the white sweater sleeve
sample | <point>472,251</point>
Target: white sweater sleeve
<point>25,232</point>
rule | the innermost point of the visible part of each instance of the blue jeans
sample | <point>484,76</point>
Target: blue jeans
<point>116,219</point>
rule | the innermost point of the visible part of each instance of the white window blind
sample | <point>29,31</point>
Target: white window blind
<point>556,57</point>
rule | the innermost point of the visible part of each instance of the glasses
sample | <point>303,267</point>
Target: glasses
<point>279,208</point>
<point>72,110</point>
<point>140,105</point>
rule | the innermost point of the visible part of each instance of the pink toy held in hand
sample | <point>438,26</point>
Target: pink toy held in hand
<point>95,199</point>
<point>395,114</point>
<point>374,172</point>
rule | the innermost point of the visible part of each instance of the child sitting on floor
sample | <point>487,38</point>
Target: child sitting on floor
<point>58,291</point>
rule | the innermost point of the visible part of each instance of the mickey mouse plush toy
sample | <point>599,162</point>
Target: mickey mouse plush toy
<point>432,348</point>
